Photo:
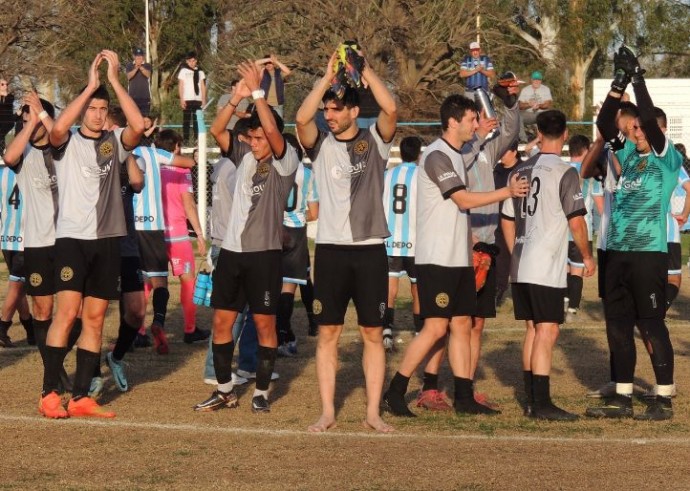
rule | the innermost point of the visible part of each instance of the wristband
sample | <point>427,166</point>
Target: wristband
<point>42,115</point>
<point>258,94</point>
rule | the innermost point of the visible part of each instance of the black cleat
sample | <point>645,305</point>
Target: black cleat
<point>528,410</point>
<point>142,341</point>
<point>394,403</point>
<point>5,340</point>
<point>616,407</point>
<point>551,412</point>
<point>218,400</point>
<point>260,405</point>
<point>659,409</point>
<point>196,335</point>
<point>473,407</point>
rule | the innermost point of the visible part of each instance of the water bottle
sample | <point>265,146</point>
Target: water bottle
<point>481,98</point>
<point>202,283</point>
<point>209,291</point>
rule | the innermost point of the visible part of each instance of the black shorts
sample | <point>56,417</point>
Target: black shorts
<point>15,264</point>
<point>601,271</point>
<point>674,259</point>
<point>401,265</point>
<point>635,285</point>
<point>342,273</point>
<point>538,303</point>
<point>153,252</point>
<point>40,270</point>
<point>131,276</point>
<point>446,292</point>
<point>486,297</point>
<point>575,256</point>
<point>90,267</point>
<point>247,277</point>
<point>295,255</point>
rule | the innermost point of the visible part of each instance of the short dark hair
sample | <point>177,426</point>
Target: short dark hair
<point>241,126</point>
<point>47,107</point>
<point>292,140</point>
<point>578,144</point>
<point>410,146</point>
<point>254,122</point>
<point>101,93</point>
<point>350,98</point>
<point>168,140</point>
<point>190,54</point>
<point>660,117</point>
<point>627,108</point>
<point>455,106</point>
<point>117,116</point>
<point>551,123</point>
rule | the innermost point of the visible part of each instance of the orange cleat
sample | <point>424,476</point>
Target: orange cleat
<point>50,406</point>
<point>87,408</point>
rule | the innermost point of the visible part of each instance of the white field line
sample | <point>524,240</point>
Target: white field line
<point>190,428</point>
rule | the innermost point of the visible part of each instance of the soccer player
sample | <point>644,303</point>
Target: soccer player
<point>578,146</point>
<point>178,207</point>
<point>350,258</point>
<point>636,255</point>
<point>536,230</point>
<point>445,275</point>
<point>248,269</point>
<point>400,206</point>
<point>302,206</point>
<point>89,224</point>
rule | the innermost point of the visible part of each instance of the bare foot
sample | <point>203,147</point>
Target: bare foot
<point>378,424</point>
<point>322,425</point>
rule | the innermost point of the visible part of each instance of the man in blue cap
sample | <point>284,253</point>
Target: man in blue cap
<point>138,75</point>
<point>534,98</point>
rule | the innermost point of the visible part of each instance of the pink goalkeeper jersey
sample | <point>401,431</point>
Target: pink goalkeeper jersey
<point>175,181</point>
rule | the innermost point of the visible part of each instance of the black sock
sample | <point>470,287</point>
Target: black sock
<point>574,291</point>
<point>541,390</point>
<point>418,322</point>
<point>307,294</point>
<point>430,381</point>
<point>464,392</point>
<point>52,367</point>
<point>389,317</point>
<point>527,378</point>
<point>264,367</point>
<point>160,305</point>
<point>41,333</point>
<point>612,367</point>
<point>27,323</point>
<point>125,337</point>
<point>399,383</point>
<point>656,334</point>
<point>74,333</point>
<point>97,370</point>
<point>87,361</point>
<point>620,334</point>
<point>286,304</point>
<point>222,361</point>
<point>671,294</point>
<point>5,326</point>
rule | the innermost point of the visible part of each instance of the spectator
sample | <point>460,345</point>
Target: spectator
<point>192,91</point>
<point>534,99</point>
<point>272,82</point>
<point>138,75</point>
<point>477,69</point>
<point>241,112</point>
<point>7,116</point>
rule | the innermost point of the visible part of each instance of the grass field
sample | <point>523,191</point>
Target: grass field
<point>158,442</point>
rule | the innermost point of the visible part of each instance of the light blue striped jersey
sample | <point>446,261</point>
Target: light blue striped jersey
<point>589,190</point>
<point>11,211</point>
<point>303,191</point>
<point>676,208</point>
<point>148,205</point>
<point>400,207</point>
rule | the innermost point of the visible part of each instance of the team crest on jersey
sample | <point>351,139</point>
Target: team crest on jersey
<point>263,169</point>
<point>442,300</point>
<point>35,279</point>
<point>105,149</point>
<point>642,165</point>
<point>361,147</point>
<point>317,307</point>
<point>66,273</point>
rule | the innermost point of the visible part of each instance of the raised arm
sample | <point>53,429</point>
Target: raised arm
<point>37,116</point>
<point>285,71</point>
<point>69,116</point>
<point>220,124</point>
<point>135,121</point>
<point>307,132</point>
<point>589,162</point>
<point>388,116</point>
<point>251,75</point>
